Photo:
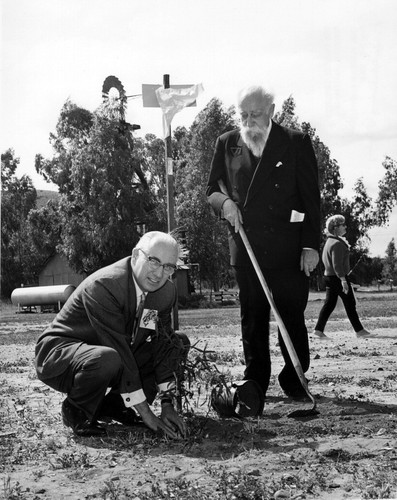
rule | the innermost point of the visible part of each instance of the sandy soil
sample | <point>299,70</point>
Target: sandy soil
<point>348,450</point>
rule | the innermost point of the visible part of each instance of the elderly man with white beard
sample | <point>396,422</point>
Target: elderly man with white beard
<point>264,177</point>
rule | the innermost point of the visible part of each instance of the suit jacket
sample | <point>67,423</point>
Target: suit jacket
<point>101,311</point>
<point>279,197</point>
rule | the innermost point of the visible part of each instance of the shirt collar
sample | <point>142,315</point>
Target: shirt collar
<point>138,291</point>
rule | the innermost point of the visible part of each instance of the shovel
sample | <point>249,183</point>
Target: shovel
<point>284,333</point>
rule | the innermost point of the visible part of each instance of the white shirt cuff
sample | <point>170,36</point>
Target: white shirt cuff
<point>166,388</point>
<point>133,398</point>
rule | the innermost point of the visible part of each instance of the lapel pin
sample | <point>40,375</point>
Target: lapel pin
<point>236,151</point>
<point>279,164</point>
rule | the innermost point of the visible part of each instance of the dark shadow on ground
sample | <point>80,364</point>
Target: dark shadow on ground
<point>221,438</point>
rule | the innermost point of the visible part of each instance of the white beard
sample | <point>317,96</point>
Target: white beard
<point>254,138</point>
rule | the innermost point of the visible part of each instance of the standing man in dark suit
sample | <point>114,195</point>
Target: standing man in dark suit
<point>271,180</point>
<point>111,348</point>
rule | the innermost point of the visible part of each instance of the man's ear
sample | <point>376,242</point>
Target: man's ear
<point>134,255</point>
<point>271,111</point>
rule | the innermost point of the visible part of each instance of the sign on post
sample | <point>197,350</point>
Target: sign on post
<point>149,96</point>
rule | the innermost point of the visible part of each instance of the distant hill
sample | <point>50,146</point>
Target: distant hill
<point>44,195</point>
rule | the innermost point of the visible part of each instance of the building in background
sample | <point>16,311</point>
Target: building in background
<point>56,271</point>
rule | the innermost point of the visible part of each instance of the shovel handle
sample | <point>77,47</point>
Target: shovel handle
<point>283,330</point>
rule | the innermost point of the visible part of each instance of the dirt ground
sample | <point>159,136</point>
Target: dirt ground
<point>348,450</point>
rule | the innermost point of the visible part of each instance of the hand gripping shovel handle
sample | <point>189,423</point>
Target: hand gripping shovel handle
<point>284,333</point>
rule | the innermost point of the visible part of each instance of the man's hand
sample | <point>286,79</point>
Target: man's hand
<point>232,214</point>
<point>309,260</point>
<point>153,422</point>
<point>171,418</point>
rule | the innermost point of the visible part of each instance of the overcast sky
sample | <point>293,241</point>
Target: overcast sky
<point>336,57</point>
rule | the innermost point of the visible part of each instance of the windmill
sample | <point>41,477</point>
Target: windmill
<point>114,101</point>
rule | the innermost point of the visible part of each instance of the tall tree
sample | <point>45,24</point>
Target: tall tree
<point>9,165</point>
<point>104,193</point>
<point>45,226</point>
<point>390,263</point>
<point>387,197</point>
<point>328,169</point>
<point>366,270</point>
<point>149,151</point>
<point>19,196</point>
<point>286,117</point>
<point>205,237</point>
<point>360,216</point>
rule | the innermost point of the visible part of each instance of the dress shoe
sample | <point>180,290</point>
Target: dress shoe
<point>297,394</point>
<point>319,334</point>
<point>364,334</point>
<point>113,407</point>
<point>78,421</point>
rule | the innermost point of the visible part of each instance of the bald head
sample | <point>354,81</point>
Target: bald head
<point>256,93</point>
<point>153,260</point>
<point>158,237</point>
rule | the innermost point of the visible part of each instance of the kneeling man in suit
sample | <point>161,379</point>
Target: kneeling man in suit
<point>112,348</point>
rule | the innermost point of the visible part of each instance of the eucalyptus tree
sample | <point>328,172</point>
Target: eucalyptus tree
<point>105,197</point>
<point>328,169</point>
<point>389,271</point>
<point>387,197</point>
<point>205,236</point>
<point>18,197</point>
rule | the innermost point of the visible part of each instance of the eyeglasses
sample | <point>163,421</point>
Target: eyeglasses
<point>154,264</point>
<point>253,114</point>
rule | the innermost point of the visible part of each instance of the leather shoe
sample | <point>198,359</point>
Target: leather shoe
<point>297,394</point>
<point>113,407</point>
<point>78,421</point>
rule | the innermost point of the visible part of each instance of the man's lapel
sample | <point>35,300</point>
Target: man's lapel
<point>274,149</point>
<point>138,314</point>
<point>130,311</point>
<point>242,153</point>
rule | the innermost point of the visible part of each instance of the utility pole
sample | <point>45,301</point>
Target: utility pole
<point>169,170</point>
<point>150,100</point>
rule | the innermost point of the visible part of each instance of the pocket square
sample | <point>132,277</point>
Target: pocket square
<point>297,216</point>
<point>279,164</point>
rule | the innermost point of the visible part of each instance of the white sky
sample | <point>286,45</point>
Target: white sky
<point>336,57</point>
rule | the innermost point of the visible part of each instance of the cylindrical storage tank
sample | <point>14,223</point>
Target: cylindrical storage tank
<point>42,295</point>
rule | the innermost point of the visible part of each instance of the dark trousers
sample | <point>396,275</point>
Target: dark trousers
<point>333,291</point>
<point>91,370</point>
<point>94,368</point>
<point>290,290</point>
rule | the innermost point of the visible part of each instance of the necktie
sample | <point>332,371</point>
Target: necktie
<point>138,315</point>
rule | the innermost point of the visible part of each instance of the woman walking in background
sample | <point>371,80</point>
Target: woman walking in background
<point>335,258</point>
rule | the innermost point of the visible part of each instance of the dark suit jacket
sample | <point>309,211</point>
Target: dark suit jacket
<point>101,311</point>
<point>284,182</point>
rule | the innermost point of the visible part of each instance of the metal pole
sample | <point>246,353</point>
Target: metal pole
<point>169,170</point>
<point>170,194</point>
